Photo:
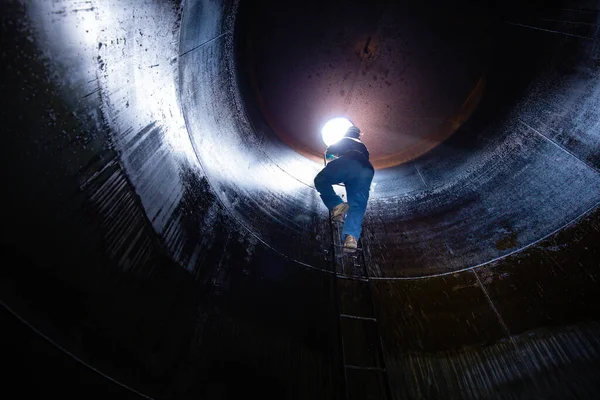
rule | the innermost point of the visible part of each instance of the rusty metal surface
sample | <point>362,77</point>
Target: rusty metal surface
<point>400,72</point>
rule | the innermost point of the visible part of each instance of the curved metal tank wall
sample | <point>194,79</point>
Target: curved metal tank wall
<point>156,230</point>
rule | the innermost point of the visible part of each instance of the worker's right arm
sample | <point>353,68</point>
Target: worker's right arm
<point>332,151</point>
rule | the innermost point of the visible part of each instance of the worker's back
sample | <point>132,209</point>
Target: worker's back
<point>349,147</point>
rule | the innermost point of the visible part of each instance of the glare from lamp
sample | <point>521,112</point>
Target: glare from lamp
<point>334,130</point>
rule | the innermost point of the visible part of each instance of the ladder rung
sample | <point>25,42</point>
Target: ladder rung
<point>358,317</point>
<point>341,245</point>
<point>365,368</point>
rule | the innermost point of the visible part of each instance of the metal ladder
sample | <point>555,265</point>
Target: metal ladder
<point>364,368</point>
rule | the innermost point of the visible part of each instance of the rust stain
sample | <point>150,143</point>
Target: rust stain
<point>507,242</point>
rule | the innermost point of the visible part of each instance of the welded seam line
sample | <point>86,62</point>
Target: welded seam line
<point>421,176</point>
<point>333,272</point>
<point>250,231</point>
<point>233,215</point>
<point>291,176</point>
<point>204,44</point>
<point>408,278</point>
<point>560,147</point>
<point>358,317</point>
<point>73,356</point>
<point>549,30</point>
<point>489,299</point>
<point>501,320</point>
<point>568,22</point>
<point>220,200</point>
<point>352,277</point>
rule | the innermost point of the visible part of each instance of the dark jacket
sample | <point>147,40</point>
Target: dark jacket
<point>351,148</point>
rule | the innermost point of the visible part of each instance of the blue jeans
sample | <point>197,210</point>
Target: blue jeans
<point>357,177</point>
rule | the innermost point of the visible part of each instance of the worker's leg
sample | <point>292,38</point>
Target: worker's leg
<point>357,190</point>
<point>335,172</point>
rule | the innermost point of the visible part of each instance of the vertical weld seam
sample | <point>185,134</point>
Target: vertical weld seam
<point>491,303</point>
<point>510,337</point>
<point>421,176</point>
<point>70,354</point>
<point>549,30</point>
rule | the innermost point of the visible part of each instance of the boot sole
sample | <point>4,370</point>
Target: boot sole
<point>339,216</point>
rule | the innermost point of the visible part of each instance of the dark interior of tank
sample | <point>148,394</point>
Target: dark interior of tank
<point>162,236</point>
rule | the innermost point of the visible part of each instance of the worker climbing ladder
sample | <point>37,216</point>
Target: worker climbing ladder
<point>365,371</point>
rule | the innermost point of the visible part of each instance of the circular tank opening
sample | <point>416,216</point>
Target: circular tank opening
<point>408,75</point>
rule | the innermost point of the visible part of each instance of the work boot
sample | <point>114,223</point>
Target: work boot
<point>339,211</point>
<point>350,244</point>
